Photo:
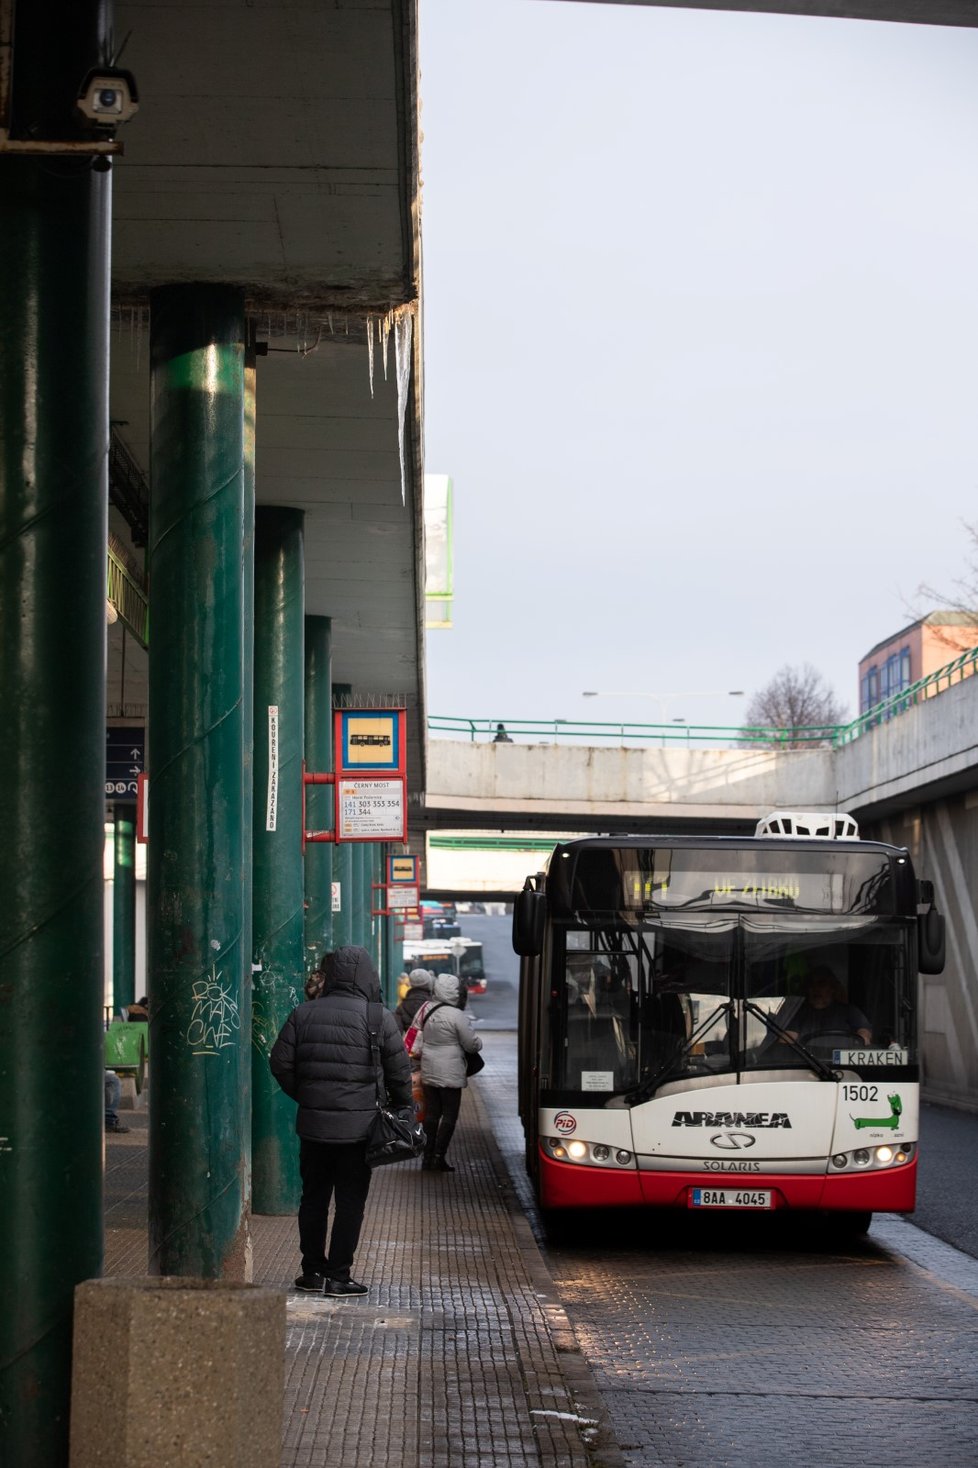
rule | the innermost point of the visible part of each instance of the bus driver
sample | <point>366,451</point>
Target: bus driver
<point>825,1010</point>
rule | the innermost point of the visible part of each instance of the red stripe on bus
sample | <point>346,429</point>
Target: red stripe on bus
<point>575,1185</point>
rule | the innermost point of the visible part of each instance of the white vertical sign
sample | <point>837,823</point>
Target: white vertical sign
<point>337,899</point>
<point>271,807</point>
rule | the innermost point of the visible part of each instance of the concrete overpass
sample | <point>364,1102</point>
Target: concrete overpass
<point>926,753</point>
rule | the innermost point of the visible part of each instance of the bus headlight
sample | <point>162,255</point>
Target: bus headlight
<point>578,1150</point>
<point>875,1157</point>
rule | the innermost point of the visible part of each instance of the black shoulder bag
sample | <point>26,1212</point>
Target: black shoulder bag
<point>391,1138</point>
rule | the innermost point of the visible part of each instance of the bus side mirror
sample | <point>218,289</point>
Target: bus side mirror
<point>529,918</point>
<point>930,942</point>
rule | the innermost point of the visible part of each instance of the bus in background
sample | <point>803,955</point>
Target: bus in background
<point>439,919</point>
<point>724,1023</point>
<point>461,956</point>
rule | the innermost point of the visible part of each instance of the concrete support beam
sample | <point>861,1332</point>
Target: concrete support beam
<point>319,798</point>
<point>124,909</point>
<point>55,225</point>
<point>277,892</point>
<point>199,1182</point>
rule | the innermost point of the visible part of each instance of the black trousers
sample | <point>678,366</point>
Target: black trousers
<point>337,1171</point>
<point>441,1105</point>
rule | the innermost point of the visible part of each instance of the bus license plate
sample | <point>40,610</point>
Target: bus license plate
<point>730,1198</point>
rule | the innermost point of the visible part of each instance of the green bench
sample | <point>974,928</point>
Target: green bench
<point>126,1049</point>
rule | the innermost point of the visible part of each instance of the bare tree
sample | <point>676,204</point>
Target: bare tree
<point>796,699</point>
<point>964,597</point>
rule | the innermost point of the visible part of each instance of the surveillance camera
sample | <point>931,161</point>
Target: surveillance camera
<point>108,97</point>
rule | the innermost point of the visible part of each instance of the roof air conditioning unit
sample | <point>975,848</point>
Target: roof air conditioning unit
<point>829,825</point>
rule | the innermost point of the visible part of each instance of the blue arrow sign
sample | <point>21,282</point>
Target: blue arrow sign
<point>125,758</point>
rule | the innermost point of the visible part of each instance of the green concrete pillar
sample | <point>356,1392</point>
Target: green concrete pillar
<point>343,876</point>
<point>54,318</point>
<point>361,895</point>
<point>395,958</point>
<point>343,861</point>
<point>247,703</point>
<point>319,798</point>
<point>377,895</point>
<point>277,829</point>
<point>384,932</point>
<point>201,1014</point>
<point>124,909</point>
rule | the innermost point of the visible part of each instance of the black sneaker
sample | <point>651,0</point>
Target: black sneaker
<point>441,1164</point>
<point>312,1284</point>
<point>343,1288</point>
<point>115,1126</point>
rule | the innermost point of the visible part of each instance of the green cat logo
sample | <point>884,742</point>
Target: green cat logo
<point>892,1121</point>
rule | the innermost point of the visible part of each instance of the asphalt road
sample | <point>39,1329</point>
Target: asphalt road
<point>948,1178</point>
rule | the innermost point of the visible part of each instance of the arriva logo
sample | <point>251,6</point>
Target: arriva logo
<point>565,1123</point>
<point>732,1118</point>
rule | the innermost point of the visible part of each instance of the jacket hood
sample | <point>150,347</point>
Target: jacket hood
<point>421,978</point>
<point>447,988</point>
<point>350,971</point>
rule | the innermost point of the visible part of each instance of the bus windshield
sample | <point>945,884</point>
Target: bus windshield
<point>709,995</point>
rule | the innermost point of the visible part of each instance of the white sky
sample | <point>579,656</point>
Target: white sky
<point>701,322</point>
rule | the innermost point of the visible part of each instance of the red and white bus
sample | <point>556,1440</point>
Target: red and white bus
<point>724,1022</point>
<point>460,956</point>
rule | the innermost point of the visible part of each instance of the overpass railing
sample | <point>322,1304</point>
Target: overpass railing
<point>716,736</point>
<point>125,593</point>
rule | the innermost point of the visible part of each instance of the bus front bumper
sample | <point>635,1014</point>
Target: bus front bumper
<point>577,1185</point>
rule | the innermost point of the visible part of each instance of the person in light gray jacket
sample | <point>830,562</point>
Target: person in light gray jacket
<point>446,1037</point>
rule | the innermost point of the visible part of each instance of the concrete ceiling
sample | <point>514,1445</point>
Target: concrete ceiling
<point>918,12</point>
<point>276,148</point>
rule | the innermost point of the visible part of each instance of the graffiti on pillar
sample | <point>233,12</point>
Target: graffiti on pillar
<point>215,1021</point>
<point>267,1009</point>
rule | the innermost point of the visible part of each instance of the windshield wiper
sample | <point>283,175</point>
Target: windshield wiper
<point>821,1067</point>
<point>648,1088</point>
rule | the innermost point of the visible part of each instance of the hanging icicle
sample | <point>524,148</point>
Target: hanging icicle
<point>385,336</point>
<point>399,323</point>
<point>403,332</point>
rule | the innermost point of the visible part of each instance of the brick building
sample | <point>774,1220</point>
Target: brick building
<point>926,645</point>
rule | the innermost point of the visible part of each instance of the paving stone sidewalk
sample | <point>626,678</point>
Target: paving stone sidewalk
<point>461,1354</point>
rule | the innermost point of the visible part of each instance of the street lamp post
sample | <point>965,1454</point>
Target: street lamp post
<point>663,698</point>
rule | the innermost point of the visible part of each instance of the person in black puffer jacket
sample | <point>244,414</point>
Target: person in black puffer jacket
<point>322,1060</point>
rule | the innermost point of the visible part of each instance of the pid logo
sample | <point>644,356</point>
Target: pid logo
<point>565,1123</point>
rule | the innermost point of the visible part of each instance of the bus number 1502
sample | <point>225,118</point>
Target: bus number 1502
<point>860,1093</point>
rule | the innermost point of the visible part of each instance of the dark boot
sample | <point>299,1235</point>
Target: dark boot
<point>441,1162</point>
<point>428,1156</point>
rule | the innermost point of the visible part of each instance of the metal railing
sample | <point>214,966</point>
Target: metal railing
<point>128,597</point>
<point>717,736</point>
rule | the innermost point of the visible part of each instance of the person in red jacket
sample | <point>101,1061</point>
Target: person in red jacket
<point>322,1059</point>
